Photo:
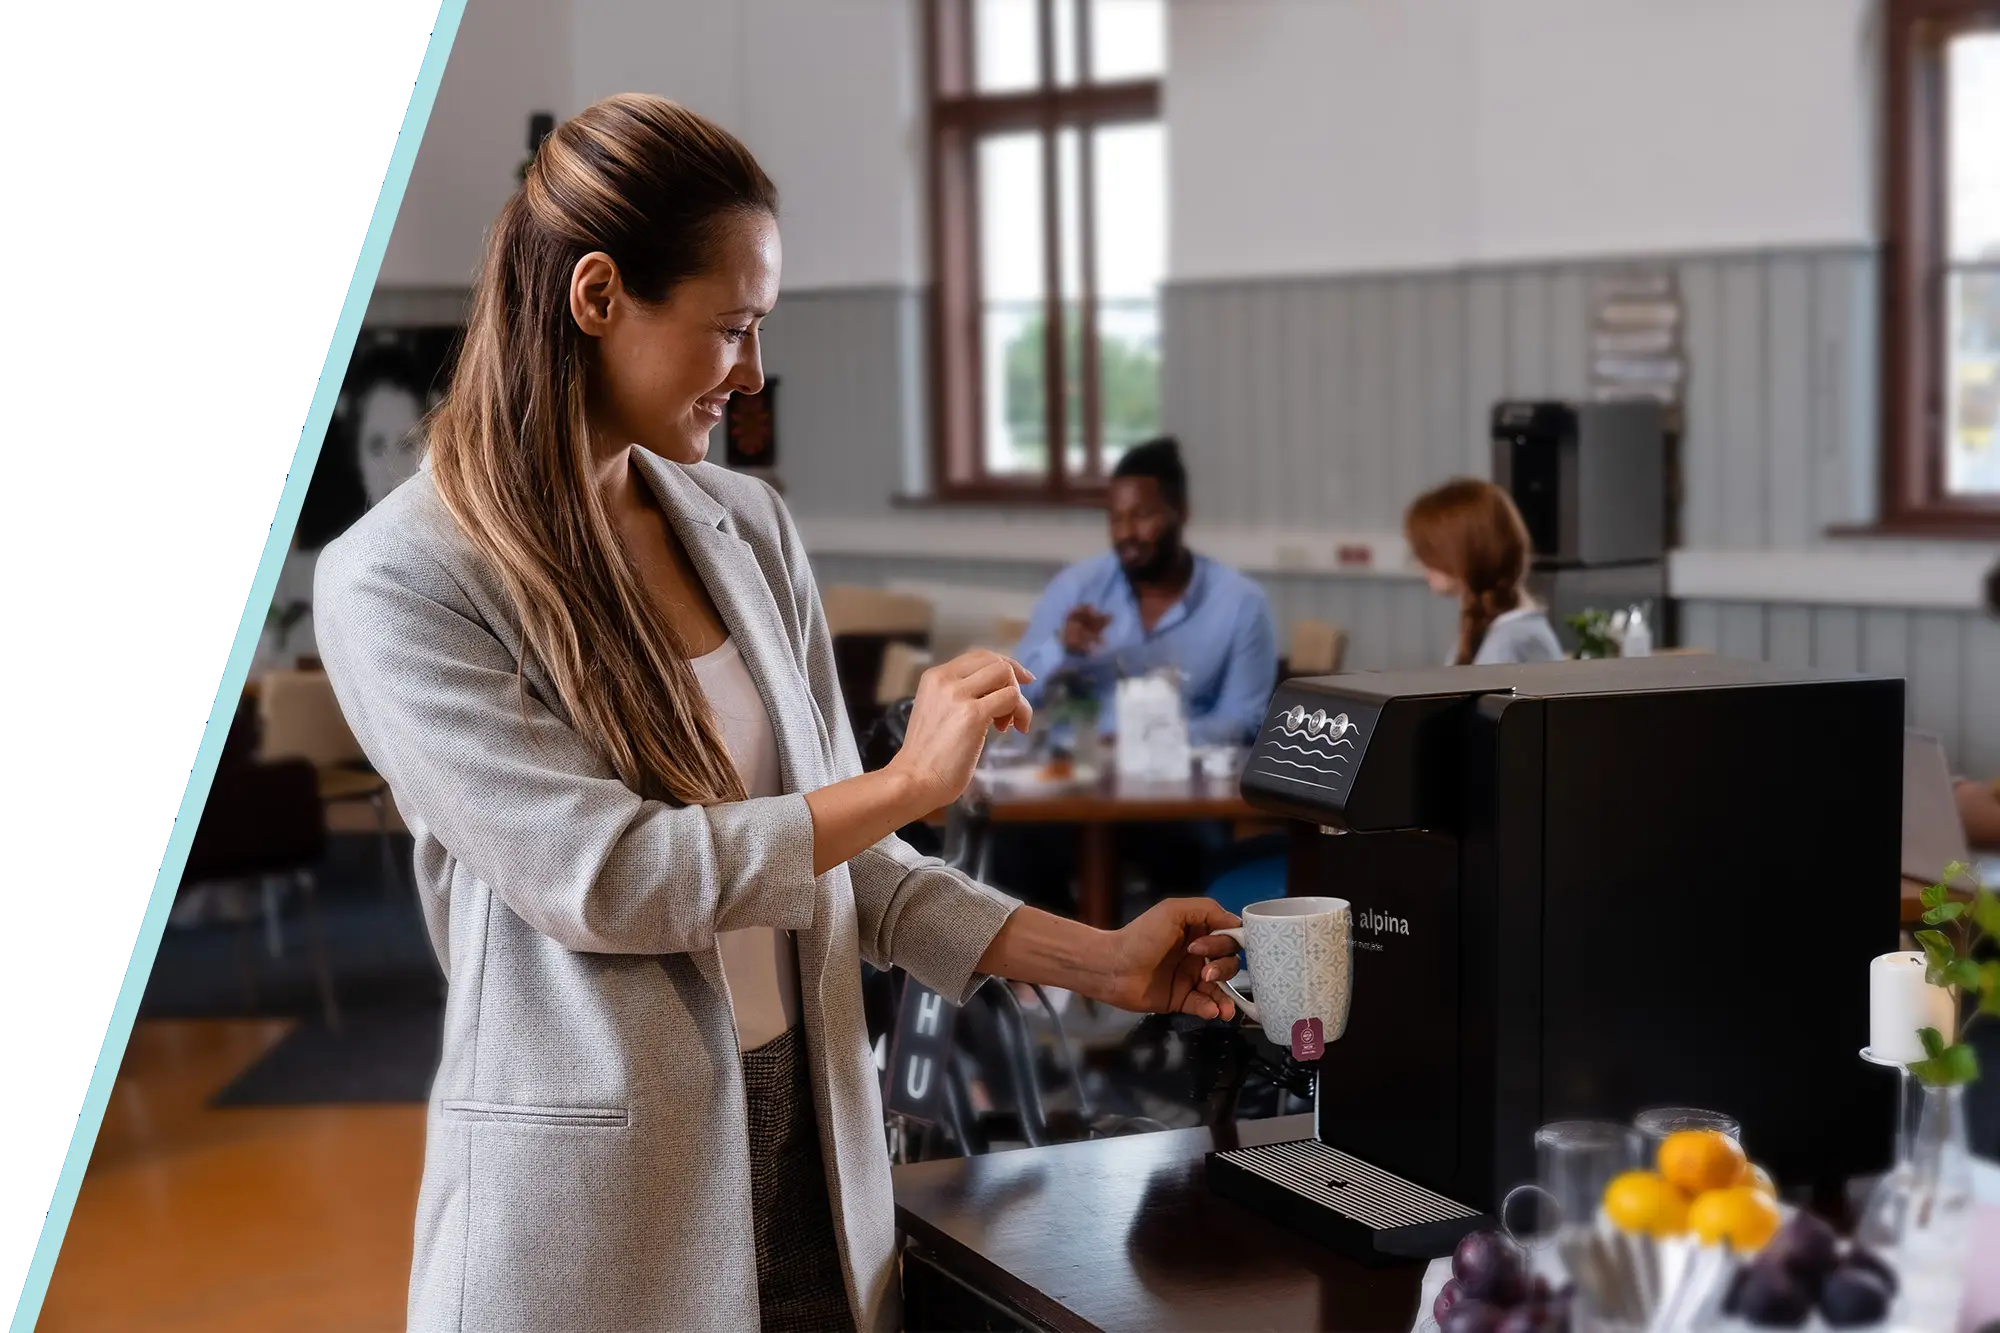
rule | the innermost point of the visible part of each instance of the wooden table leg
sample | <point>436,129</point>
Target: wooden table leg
<point>1097,876</point>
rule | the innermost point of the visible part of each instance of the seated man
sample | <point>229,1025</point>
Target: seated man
<point>1150,602</point>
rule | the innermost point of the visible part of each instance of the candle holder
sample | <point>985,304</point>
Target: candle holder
<point>1919,1215</point>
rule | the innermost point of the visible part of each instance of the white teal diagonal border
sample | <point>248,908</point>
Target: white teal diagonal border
<point>388,202</point>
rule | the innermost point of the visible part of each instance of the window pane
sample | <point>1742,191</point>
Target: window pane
<point>1006,45</point>
<point>1972,386</point>
<point>1131,225</point>
<point>1012,288</point>
<point>1069,242</point>
<point>1972,75</point>
<point>1064,19</point>
<point>1128,40</point>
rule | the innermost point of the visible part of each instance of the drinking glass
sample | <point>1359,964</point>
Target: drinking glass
<point>1655,1125</point>
<point>1574,1161</point>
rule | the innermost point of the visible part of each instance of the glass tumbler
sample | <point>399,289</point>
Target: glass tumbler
<point>1574,1161</point>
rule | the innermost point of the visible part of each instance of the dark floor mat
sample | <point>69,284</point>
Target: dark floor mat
<point>379,1055</point>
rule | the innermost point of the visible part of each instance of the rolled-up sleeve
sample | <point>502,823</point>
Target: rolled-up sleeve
<point>521,800</point>
<point>912,911</point>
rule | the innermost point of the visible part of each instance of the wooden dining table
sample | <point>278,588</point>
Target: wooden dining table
<point>1097,807</point>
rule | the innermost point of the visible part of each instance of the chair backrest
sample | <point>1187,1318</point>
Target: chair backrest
<point>302,719</point>
<point>1007,631</point>
<point>1317,648</point>
<point>902,664</point>
<point>854,609</point>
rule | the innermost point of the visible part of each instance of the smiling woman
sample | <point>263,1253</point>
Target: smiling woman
<point>595,670</point>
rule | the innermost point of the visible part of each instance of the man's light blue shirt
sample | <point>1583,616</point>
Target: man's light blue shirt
<point>1219,635</point>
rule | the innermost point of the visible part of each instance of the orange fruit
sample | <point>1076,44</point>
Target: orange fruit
<point>1645,1202</point>
<point>1740,1217</point>
<point>1699,1160</point>
<point>1760,1180</point>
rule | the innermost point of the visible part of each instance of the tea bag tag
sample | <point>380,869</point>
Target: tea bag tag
<point>1308,1039</point>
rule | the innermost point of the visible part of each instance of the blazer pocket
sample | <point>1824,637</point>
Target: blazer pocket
<point>514,1113</point>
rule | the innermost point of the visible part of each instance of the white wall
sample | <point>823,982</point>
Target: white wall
<point>1321,136</point>
<point>825,92</point>
<point>510,60</point>
<point>1305,136</point>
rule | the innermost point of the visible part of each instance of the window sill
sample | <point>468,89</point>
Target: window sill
<point>1933,525</point>
<point>1001,497</point>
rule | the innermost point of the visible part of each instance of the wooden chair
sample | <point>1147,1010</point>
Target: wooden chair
<point>902,664</point>
<point>864,622</point>
<point>301,719</point>
<point>1317,648</point>
<point>264,823</point>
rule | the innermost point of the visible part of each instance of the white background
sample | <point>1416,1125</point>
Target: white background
<point>189,186</point>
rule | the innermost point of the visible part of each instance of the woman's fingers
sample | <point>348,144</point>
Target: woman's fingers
<point>1221,969</point>
<point>1213,946</point>
<point>977,660</point>
<point>997,674</point>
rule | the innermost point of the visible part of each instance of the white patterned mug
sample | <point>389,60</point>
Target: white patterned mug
<point>1302,961</point>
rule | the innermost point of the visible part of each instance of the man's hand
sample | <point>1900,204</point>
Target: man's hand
<point>1083,629</point>
<point>1169,962</point>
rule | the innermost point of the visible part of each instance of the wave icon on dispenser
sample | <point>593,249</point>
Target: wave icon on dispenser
<point>1313,737</point>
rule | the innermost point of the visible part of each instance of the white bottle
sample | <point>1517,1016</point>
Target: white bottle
<point>1638,636</point>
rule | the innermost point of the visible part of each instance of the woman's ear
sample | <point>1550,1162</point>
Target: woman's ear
<point>594,289</point>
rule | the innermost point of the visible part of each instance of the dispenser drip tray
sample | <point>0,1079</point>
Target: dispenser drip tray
<point>1356,1207</point>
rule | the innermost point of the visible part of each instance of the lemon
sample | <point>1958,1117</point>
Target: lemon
<point>1741,1217</point>
<point>1760,1180</point>
<point>1696,1161</point>
<point>1645,1202</point>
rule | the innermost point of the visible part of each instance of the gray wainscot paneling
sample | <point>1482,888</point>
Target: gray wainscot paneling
<point>1328,402</point>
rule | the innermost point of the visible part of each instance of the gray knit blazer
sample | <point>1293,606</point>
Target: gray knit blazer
<point>586,1165</point>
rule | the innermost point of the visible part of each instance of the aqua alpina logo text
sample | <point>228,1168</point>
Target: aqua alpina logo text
<point>1376,923</point>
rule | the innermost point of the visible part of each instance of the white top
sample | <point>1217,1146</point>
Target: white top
<point>1521,635</point>
<point>760,962</point>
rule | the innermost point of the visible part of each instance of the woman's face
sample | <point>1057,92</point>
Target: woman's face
<point>666,371</point>
<point>387,448</point>
<point>1443,584</point>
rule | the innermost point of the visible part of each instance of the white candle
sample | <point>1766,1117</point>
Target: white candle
<point>1901,1004</point>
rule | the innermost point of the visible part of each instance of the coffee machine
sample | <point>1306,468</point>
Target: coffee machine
<point>1579,890</point>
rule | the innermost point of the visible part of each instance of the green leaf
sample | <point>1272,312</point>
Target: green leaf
<point>1933,1041</point>
<point>1948,1067</point>
<point>1989,997</point>
<point>1934,895</point>
<point>1938,954</point>
<point>1986,911</point>
<point>1964,974</point>
<point>1944,912</point>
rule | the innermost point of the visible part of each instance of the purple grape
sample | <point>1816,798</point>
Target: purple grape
<point>1470,1316</point>
<point>1857,1257</point>
<point>1490,1268</point>
<point>1449,1295</point>
<point>1523,1319</point>
<point>1772,1298</point>
<point>1807,1247</point>
<point>1854,1297</point>
<point>1732,1299</point>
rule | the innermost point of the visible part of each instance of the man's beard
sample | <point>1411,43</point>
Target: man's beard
<point>1164,560</point>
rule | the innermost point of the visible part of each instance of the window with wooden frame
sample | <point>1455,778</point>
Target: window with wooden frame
<point>1941,440</point>
<point>1048,235</point>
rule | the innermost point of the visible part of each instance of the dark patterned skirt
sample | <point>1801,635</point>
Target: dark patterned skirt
<point>799,1284</point>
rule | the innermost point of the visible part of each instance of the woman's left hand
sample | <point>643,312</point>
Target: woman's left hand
<point>1169,962</point>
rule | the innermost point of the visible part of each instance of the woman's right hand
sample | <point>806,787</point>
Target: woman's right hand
<point>957,702</point>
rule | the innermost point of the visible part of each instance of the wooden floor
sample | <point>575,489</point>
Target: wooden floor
<point>239,1219</point>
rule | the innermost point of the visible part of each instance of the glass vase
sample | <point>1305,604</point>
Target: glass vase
<point>1919,1217</point>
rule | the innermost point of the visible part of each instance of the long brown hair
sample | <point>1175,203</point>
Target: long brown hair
<point>1471,530</point>
<point>650,184</point>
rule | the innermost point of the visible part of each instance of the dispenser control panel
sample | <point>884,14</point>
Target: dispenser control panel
<point>1312,744</point>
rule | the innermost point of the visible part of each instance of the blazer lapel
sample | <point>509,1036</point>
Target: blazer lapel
<point>736,583</point>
